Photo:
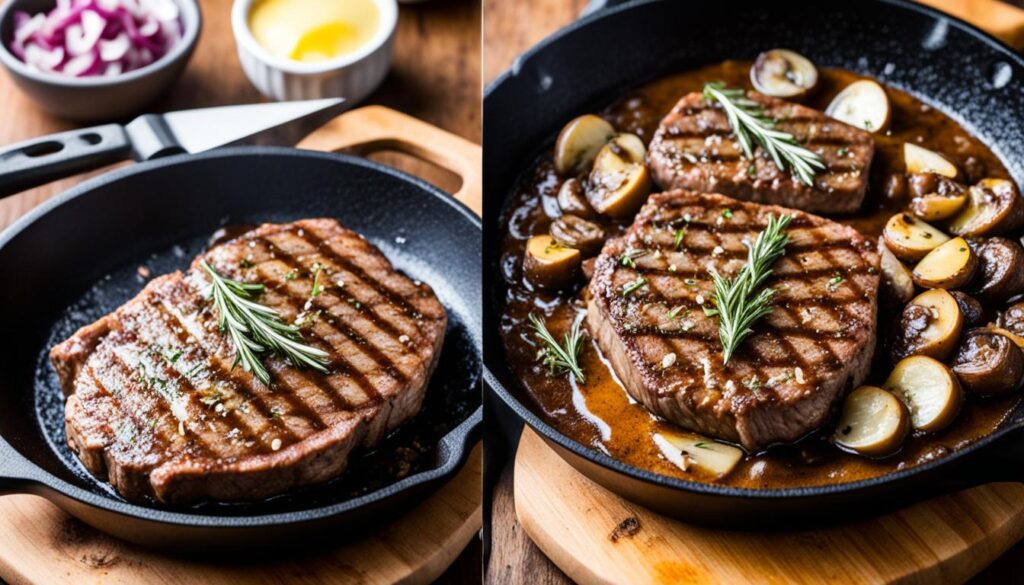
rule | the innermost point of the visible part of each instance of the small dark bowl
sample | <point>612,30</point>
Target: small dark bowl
<point>91,99</point>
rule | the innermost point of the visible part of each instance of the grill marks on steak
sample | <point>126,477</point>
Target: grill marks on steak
<point>694,148</point>
<point>155,406</point>
<point>785,378</point>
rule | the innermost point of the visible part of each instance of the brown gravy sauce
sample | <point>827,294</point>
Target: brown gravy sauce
<point>602,416</point>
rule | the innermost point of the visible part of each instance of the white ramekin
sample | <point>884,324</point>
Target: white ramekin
<point>352,76</point>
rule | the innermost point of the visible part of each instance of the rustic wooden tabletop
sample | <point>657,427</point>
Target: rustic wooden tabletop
<point>435,77</point>
<point>509,29</point>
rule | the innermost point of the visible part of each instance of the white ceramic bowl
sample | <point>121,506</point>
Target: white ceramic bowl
<point>353,76</point>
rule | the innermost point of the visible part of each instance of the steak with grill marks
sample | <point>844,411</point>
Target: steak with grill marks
<point>155,406</point>
<point>694,149</point>
<point>800,360</point>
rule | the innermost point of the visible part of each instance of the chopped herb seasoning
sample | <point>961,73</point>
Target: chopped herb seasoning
<point>292,275</point>
<point>834,282</point>
<point>628,257</point>
<point>245,263</point>
<point>727,213</point>
<point>677,240</point>
<point>752,170</point>
<point>843,151</point>
<point>674,312</point>
<point>702,445</point>
<point>634,286</point>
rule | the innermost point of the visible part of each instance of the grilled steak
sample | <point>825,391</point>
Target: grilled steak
<point>785,378</point>
<point>155,406</point>
<point>694,149</point>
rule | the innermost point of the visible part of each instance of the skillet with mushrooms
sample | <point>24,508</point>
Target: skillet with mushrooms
<point>948,364</point>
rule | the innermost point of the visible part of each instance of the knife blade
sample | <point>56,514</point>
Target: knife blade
<point>41,160</point>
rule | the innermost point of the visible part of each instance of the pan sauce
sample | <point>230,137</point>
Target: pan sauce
<point>603,416</point>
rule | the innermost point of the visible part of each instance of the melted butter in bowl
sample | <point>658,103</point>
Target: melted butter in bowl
<point>313,30</point>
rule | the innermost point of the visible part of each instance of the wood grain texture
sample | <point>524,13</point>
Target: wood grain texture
<point>944,540</point>
<point>42,545</point>
<point>511,28</point>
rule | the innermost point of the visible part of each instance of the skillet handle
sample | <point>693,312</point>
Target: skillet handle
<point>41,160</point>
<point>375,128</point>
<point>16,472</point>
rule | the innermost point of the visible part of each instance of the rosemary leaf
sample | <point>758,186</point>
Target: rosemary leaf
<point>738,303</point>
<point>561,358</point>
<point>749,123</point>
<point>255,329</point>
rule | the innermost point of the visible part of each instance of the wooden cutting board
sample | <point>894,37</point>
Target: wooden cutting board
<point>944,540</point>
<point>40,544</point>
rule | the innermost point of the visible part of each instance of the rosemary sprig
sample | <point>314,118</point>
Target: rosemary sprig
<point>256,328</point>
<point>561,358</point>
<point>738,302</point>
<point>748,122</point>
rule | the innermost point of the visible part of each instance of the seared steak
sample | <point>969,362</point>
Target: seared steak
<point>155,406</point>
<point>694,149</point>
<point>785,378</point>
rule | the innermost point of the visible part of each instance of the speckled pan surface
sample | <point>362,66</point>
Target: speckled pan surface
<point>77,257</point>
<point>944,62</point>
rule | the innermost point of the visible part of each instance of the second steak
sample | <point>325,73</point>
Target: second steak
<point>694,148</point>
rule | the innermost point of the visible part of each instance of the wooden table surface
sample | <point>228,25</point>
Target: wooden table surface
<point>435,77</point>
<point>509,29</point>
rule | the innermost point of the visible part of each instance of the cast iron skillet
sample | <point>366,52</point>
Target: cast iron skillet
<point>941,60</point>
<point>75,258</point>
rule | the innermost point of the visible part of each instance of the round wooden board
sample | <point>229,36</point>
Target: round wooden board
<point>944,540</point>
<point>42,544</point>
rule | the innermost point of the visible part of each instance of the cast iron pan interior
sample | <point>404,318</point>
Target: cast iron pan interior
<point>941,60</point>
<point>76,258</point>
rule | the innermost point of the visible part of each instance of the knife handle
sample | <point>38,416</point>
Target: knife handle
<point>41,160</point>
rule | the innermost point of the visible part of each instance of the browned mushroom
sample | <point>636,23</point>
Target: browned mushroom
<point>1012,318</point>
<point>576,232</point>
<point>930,325</point>
<point>970,308</point>
<point>935,197</point>
<point>572,199</point>
<point>993,207</point>
<point>988,363</point>
<point>1001,269</point>
<point>550,265</point>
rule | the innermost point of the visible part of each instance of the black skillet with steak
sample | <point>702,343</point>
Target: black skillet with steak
<point>865,344</point>
<point>156,406</point>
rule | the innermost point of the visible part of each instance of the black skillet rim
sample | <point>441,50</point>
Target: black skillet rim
<point>458,440</point>
<point>551,434</point>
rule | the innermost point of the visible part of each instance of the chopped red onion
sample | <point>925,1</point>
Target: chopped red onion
<point>81,38</point>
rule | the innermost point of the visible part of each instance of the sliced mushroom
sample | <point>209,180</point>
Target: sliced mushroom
<point>921,160</point>
<point>929,391</point>
<point>930,325</point>
<point>951,265</point>
<point>572,199</point>
<point>993,207</point>
<point>895,275</point>
<point>688,451</point>
<point>783,73</point>
<point>1001,274</point>
<point>619,182</point>
<point>936,197</point>
<point>873,423</point>
<point>970,308</point>
<point>989,363</point>
<point>575,232</point>
<point>579,141</point>
<point>550,265</point>
<point>862,104</point>
<point>910,238</point>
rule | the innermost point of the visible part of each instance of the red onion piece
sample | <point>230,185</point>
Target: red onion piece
<point>80,38</point>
